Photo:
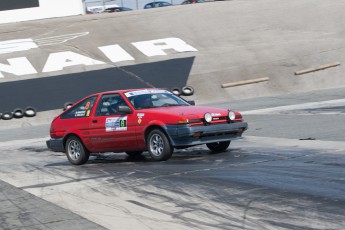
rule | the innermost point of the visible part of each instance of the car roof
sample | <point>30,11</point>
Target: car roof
<point>122,91</point>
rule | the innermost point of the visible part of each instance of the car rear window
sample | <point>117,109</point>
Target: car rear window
<point>82,109</point>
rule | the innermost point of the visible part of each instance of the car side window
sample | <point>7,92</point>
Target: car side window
<point>109,104</point>
<point>82,109</point>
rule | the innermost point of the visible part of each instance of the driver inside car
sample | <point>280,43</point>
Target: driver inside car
<point>143,101</point>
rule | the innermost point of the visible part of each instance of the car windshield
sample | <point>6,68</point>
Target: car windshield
<point>143,99</point>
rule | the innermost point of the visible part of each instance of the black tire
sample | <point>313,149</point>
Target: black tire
<point>187,91</point>
<point>176,91</point>
<point>134,153</point>
<point>218,147</point>
<point>18,113</point>
<point>76,152</point>
<point>67,105</point>
<point>7,116</point>
<point>30,111</point>
<point>158,145</point>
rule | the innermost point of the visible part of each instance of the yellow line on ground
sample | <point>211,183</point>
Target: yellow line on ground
<point>317,68</point>
<point>256,80</point>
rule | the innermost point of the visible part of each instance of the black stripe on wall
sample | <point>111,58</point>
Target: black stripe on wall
<point>18,4</point>
<point>49,93</point>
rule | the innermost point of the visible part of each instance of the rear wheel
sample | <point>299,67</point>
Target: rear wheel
<point>159,146</point>
<point>218,146</point>
<point>76,153</point>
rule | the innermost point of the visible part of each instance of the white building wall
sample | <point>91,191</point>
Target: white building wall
<point>47,9</point>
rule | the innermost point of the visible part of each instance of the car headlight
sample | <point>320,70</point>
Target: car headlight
<point>208,117</point>
<point>231,115</point>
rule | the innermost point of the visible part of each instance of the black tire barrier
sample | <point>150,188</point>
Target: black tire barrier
<point>18,113</point>
<point>30,111</point>
<point>7,116</point>
<point>67,105</point>
<point>187,91</point>
<point>176,91</point>
<point>0,115</point>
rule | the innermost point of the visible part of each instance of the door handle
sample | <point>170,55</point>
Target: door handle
<point>94,121</point>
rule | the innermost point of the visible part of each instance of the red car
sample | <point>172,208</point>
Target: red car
<point>137,120</point>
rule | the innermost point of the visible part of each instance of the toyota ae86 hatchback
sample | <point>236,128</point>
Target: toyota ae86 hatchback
<point>133,121</point>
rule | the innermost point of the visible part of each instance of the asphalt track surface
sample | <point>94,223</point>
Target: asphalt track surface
<point>286,173</point>
<point>281,175</point>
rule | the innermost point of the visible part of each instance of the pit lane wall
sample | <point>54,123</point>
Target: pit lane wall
<point>24,10</point>
<point>45,63</point>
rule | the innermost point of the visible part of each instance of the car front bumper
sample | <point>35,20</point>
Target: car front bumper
<point>56,144</point>
<point>185,135</point>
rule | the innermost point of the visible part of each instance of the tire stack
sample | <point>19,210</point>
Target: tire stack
<point>18,113</point>
<point>67,105</point>
<point>185,91</point>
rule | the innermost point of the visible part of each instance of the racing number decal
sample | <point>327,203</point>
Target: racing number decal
<point>123,123</point>
<point>113,124</point>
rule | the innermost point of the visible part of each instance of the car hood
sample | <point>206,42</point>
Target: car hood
<point>190,111</point>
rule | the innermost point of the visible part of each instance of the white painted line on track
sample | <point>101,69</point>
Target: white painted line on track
<point>337,147</point>
<point>24,142</point>
<point>311,105</point>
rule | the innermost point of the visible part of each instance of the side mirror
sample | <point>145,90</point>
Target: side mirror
<point>191,102</point>
<point>124,109</point>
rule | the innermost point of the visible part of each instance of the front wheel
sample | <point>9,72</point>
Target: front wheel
<point>76,153</point>
<point>159,146</point>
<point>218,147</point>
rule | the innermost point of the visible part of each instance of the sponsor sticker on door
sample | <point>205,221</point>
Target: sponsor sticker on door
<point>113,124</point>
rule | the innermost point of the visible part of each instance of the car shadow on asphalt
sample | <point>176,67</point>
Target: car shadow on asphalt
<point>179,156</point>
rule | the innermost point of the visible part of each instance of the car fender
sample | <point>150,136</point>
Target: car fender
<point>155,124</point>
<point>75,132</point>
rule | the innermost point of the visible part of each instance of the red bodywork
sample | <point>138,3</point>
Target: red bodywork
<point>128,131</point>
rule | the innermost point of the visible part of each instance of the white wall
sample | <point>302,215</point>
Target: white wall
<point>47,9</point>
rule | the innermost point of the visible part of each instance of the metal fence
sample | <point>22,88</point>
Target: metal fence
<point>133,4</point>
